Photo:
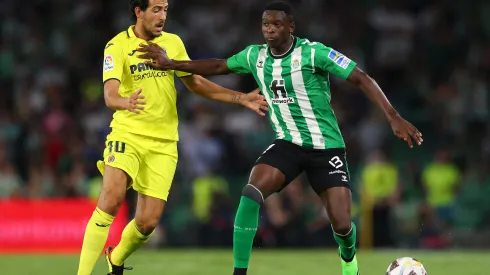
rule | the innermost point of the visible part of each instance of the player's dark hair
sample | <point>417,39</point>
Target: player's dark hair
<point>142,4</point>
<point>281,6</point>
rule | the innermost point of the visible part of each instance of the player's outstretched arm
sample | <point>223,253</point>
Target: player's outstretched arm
<point>163,62</point>
<point>115,101</point>
<point>203,87</point>
<point>401,128</point>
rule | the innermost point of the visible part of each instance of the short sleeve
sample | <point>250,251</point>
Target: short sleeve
<point>240,62</point>
<point>113,61</point>
<point>181,56</point>
<point>332,61</point>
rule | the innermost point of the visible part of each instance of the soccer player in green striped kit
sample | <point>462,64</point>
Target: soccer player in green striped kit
<point>293,75</point>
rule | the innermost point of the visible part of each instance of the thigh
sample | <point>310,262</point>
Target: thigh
<point>120,152</point>
<point>326,169</point>
<point>267,179</point>
<point>157,169</point>
<point>280,164</point>
<point>119,167</point>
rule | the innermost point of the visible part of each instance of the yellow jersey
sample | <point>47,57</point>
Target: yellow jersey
<point>159,118</point>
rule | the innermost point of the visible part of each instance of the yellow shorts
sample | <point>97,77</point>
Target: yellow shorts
<point>150,162</point>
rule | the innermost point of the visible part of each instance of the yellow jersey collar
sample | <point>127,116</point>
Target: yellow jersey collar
<point>130,31</point>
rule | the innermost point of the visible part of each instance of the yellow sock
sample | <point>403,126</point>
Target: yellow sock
<point>94,240</point>
<point>131,240</point>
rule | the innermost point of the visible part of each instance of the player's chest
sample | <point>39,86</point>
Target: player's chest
<point>285,79</point>
<point>291,67</point>
<point>132,54</point>
<point>136,67</point>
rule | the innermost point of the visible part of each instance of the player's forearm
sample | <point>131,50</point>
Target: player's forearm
<point>201,67</point>
<point>213,91</point>
<point>376,95</point>
<point>227,96</point>
<point>114,101</point>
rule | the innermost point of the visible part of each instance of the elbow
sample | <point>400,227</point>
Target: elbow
<point>194,88</point>
<point>197,86</point>
<point>222,69</point>
<point>108,101</point>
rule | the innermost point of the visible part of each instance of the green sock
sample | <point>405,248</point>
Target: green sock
<point>347,243</point>
<point>246,222</point>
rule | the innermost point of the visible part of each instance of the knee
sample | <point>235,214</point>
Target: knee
<point>109,205</point>
<point>146,226</point>
<point>253,193</point>
<point>341,222</point>
<point>111,196</point>
<point>340,217</point>
<point>342,227</point>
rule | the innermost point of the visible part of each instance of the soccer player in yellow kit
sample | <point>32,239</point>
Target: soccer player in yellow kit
<point>141,150</point>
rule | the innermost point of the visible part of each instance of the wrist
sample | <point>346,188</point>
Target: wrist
<point>237,98</point>
<point>121,103</point>
<point>391,114</point>
<point>173,65</point>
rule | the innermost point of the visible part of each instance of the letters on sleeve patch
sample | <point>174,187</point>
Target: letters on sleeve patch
<point>339,59</point>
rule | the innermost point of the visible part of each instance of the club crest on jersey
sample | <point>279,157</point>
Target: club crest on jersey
<point>339,59</point>
<point>108,63</point>
<point>111,159</point>
<point>295,64</point>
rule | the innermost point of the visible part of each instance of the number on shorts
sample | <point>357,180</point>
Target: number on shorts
<point>119,147</point>
<point>336,162</point>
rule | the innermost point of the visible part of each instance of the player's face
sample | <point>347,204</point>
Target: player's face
<point>153,18</point>
<point>276,27</point>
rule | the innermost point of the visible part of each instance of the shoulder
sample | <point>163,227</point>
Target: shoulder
<point>322,51</point>
<point>254,48</point>
<point>171,37</point>
<point>306,43</point>
<point>117,40</point>
<point>257,47</point>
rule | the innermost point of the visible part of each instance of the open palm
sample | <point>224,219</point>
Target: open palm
<point>256,102</point>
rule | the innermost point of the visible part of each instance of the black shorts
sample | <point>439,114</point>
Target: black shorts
<point>324,168</point>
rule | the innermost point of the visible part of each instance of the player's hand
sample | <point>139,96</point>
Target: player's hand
<point>155,53</point>
<point>406,131</point>
<point>255,102</point>
<point>135,102</point>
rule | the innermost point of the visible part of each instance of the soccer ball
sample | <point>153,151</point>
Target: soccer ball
<point>406,266</point>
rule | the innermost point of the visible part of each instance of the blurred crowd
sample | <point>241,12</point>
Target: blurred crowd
<point>431,57</point>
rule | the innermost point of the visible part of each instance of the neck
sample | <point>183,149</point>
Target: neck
<point>284,47</point>
<point>140,32</point>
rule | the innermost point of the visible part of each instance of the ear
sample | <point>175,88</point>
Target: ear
<point>138,12</point>
<point>291,27</point>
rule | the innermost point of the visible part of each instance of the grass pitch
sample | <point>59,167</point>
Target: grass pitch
<point>264,262</point>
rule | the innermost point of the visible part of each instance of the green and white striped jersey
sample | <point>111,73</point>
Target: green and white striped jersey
<point>297,88</point>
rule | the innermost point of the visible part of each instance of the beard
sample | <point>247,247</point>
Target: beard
<point>150,33</point>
